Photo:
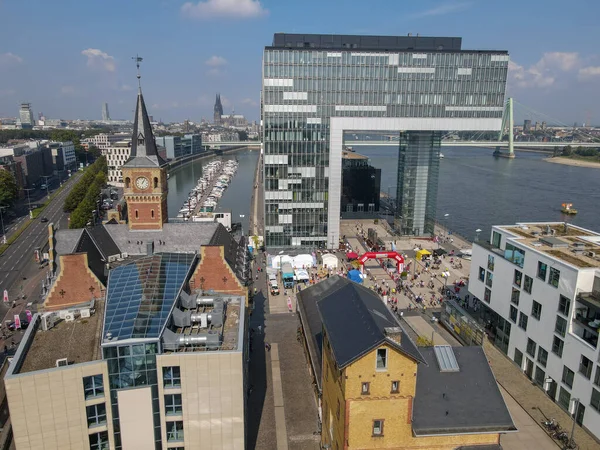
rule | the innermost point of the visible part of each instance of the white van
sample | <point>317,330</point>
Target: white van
<point>273,277</point>
<point>274,287</point>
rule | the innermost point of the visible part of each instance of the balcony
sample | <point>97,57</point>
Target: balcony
<point>586,320</point>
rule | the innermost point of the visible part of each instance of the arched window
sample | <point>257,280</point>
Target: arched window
<point>137,214</point>
<point>152,213</point>
<point>127,182</point>
<point>155,182</point>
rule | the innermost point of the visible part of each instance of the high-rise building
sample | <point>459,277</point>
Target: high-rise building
<point>218,110</point>
<point>105,113</point>
<point>539,291</point>
<point>315,87</point>
<point>26,116</point>
<point>526,125</point>
<point>361,186</point>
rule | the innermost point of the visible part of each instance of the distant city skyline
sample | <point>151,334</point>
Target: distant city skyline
<point>216,46</point>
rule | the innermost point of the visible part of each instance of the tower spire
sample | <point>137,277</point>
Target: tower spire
<point>138,60</point>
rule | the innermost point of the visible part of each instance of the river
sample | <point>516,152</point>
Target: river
<point>475,189</point>
<point>236,198</point>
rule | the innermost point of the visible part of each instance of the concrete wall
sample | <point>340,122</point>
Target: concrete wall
<point>212,388</point>
<point>47,408</point>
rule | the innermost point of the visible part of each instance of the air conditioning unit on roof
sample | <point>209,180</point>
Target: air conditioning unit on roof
<point>69,317</point>
<point>124,255</point>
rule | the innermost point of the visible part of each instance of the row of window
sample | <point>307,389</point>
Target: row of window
<point>366,387</point>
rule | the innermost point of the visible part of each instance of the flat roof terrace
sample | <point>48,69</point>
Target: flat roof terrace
<point>568,243</point>
<point>77,341</point>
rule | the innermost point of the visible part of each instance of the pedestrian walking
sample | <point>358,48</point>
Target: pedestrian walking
<point>259,329</point>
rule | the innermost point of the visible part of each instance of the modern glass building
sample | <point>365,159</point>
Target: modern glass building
<point>317,87</point>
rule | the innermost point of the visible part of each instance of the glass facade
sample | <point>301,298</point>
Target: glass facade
<point>306,84</point>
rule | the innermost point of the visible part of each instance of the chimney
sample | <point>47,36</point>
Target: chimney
<point>394,334</point>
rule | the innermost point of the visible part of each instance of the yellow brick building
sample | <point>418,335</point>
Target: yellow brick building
<point>379,391</point>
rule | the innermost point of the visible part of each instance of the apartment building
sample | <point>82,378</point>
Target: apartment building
<point>116,153</point>
<point>539,284</point>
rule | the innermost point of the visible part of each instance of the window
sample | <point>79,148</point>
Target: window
<point>542,356</point>
<point>490,265</point>
<point>93,386</point>
<point>536,310</point>
<point>542,270</point>
<point>568,376</point>
<point>540,375</point>
<point>365,388</point>
<point>487,295</point>
<point>514,312</point>
<point>175,431</point>
<point>96,414</point>
<point>127,182</point>
<point>561,326</point>
<point>514,296</point>
<point>155,182</point>
<point>481,274</point>
<point>564,397</point>
<point>523,321</point>
<point>528,284</point>
<point>597,377</point>
<point>137,214</point>
<point>152,213</point>
<point>585,367</point>
<point>595,400</point>
<point>381,359</point>
<point>518,277</point>
<point>378,427</point>
<point>172,376</point>
<point>515,255</point>
<point>489,279</point>
<point>564,305</point>
<point>496,239</point>
<point>173,405</point>
<point>554,277</point>
<point>395,387</point>
<point>531,346</point>
<point>518,357</point>
<point>557,346</point>
<point>99,441</point>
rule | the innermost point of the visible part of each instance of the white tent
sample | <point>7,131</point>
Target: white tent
<point>303,261</point>
<point>301,275</point>
<point>280,260</point>
<point>330,261</point>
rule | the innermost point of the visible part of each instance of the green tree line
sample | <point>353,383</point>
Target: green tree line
<point>81,201</point>
<point>569,150</point>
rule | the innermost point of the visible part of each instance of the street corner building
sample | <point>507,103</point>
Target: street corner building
<point>317,87</point>
<point>376,389</point>
<point>142,338</point>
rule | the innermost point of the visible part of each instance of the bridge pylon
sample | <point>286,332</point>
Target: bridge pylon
<point>507,120</point>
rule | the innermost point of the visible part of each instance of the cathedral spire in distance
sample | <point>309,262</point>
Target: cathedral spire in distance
<point>143,146</point>
<point>218,110</point>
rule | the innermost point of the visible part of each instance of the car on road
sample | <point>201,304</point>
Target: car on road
<point>44,219</point>
<point>24,324</point>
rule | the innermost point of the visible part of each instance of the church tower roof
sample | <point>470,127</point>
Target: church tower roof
<point>143,146</point>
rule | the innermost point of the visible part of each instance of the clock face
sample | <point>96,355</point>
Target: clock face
<point>142,183</point>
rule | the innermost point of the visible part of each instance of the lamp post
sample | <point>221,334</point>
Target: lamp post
<point>29,200</point>
<point>477,231</point>
<point>446,222</point>
<point>573,407</point>
<point>46,182</point>
<point>2,221</point>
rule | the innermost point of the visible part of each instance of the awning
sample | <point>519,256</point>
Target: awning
<point>439,252</point>
<point>351,256</point>
<point>355,275</point>
<point>422,253</point>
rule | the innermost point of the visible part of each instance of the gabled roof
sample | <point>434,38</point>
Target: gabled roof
<point>103,241</point>
<point>143,147</point>
<point>355,319</point>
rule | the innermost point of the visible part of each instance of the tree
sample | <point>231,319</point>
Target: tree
<point>8,187</point>
<point>567,150</point>
<point>243,135</point>
<point>94,152</point>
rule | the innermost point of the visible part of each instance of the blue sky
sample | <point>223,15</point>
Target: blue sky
<point>66,57</point>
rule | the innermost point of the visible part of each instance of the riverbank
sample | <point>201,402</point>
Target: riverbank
<point>177,164</point>
<point>573,162</point>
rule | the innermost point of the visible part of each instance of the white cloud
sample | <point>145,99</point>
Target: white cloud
<point>9,59</point>
<point>216,61</point>
<point>545,72</point>
<point>588,73</point>
<point>98,59</point>
<point>234,9</point>
<point>249,102</point>
<point>67,90</point>
<point>441,10</point>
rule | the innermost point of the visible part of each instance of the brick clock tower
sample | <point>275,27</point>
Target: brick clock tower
<point>145,176</point>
